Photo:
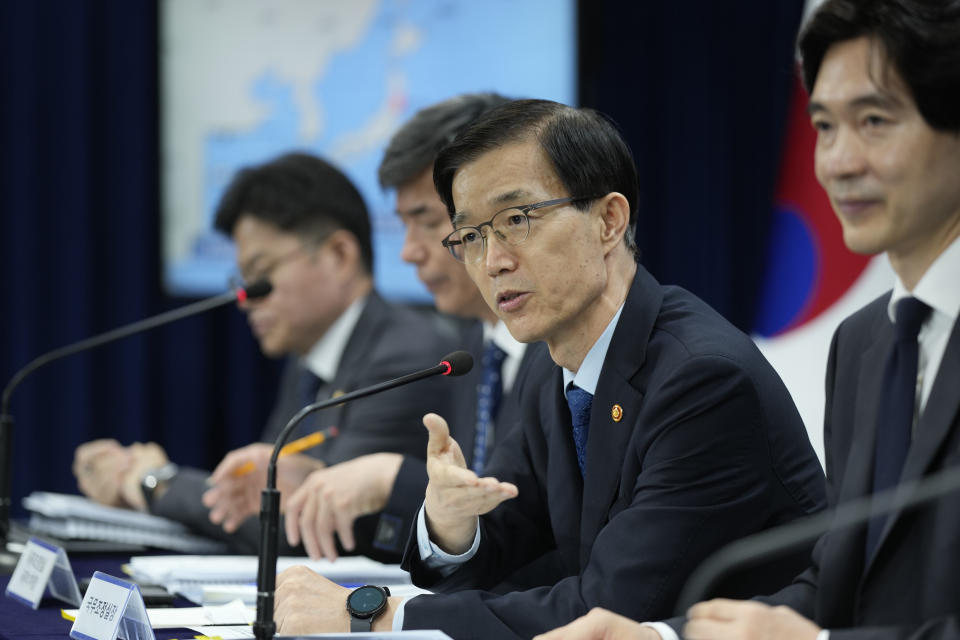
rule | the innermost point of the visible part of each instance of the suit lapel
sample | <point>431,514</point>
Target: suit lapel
<point>608,438</point>
<point>938,418</point>
<point>344,380</point>
<point>845,547</point>
<point>563,474</point>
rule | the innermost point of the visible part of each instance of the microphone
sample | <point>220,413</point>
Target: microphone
<point>256,290</point>
<point>453,364</point>
<point>758,547</point>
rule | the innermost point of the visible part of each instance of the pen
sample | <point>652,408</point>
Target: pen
<point>296,446</point>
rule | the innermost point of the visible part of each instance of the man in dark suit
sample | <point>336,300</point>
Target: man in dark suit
<point>330,499</point>
<point>661,434</point>
<point>299,223</point>
<point>884,77</point>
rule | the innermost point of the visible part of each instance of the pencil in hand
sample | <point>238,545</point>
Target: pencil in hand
<point>300,444</point>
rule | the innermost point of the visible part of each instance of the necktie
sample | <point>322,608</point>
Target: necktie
<point>308,385</point>
<point>489,394</point>
<point>580,402</point>
<point>897,397</point>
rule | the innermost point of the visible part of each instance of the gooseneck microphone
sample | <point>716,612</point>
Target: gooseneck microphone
<point>454,364</point>
<point>758,547</point>
<point>256,290</point>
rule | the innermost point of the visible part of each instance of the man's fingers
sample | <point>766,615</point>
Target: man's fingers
<point>718,608</point>
<point>87,452</point>
<point>230,462</point>
<point>292,510</point>
<point>211,496</point>
<point>324,531</point>
<point>439,434</point>
<point>345,529</point>
<point>307,524</point>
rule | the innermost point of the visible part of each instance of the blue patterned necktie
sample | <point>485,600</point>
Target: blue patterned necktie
<point>489,394</point>
<point>897,398</point>
<point>580,402</point>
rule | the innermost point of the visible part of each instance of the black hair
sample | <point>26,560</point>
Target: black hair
<point>585,148</point>
<point>301,194</point>
<point>414,146</point>
<point>920,38</point>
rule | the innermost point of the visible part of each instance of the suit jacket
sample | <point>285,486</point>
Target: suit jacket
<point>911,586</point>
<point>693,442</point>
<point>388,341</point>
<point>411,483</point>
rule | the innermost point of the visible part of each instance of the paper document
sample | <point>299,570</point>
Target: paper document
<point>72,517</point>
<point>160,569</point>
<point>431,634</point>
<point>191,576</point>
<point>212,594</point>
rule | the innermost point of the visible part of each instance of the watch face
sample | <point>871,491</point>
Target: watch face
<point>366,600</point>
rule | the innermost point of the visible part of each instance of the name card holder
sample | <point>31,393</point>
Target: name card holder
<point>111,608</point>
<point>43,565</point>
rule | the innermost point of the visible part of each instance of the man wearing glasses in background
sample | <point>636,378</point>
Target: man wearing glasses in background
<point>660,435</point>
<point>298,222</point>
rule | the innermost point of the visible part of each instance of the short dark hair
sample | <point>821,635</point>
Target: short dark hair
<point>301,194</point>
<point>920,38</point>
<point>414,146</point>
<point>587,152</point>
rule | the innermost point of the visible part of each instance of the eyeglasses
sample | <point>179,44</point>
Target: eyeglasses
<point>241,280</point>
<point>511,225</point>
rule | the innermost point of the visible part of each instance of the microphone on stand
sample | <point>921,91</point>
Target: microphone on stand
<point>453,364</point>
<point>256,290</point>
<point>767,544</point>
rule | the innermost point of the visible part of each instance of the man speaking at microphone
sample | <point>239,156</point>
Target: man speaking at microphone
<point>884,82</point>
<point>485,403</point>
<point>299,223</point>
<point>660,434</point>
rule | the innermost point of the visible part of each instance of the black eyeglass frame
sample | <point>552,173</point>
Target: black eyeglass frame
<point>451,242</point>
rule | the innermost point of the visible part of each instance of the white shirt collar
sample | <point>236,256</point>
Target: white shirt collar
<point>502,337</point>
<point>937,288</point>
<point>323,359</point>
<point>587,376</point>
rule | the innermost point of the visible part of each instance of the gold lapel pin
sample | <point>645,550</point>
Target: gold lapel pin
<point>616,412</point>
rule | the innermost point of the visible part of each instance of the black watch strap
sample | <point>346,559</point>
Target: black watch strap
<point>360,625</point>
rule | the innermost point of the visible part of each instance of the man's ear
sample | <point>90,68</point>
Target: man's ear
<point>343,249</point>
<point>614,219</point>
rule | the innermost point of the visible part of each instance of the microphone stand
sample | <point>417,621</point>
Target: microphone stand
<point>265,627</point>
<point>9,560</point>
<point>772,542</point>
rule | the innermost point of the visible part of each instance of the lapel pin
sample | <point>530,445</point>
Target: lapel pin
<point>616,412</point>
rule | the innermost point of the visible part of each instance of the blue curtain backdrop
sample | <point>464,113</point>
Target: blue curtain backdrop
<point>80,253</point>
<point>700,90</point>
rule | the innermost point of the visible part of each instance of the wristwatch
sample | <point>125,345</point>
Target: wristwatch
<point>153,483</point>
<point>364,604</point>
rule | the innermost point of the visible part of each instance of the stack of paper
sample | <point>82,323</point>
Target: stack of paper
<point>222,577</point>
<point>72,517</point>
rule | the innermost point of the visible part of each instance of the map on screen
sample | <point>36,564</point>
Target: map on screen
<point>246,80</point>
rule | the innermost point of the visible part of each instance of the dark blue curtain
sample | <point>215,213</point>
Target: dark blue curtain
<point>80,253</point>
<point>699,89</point>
